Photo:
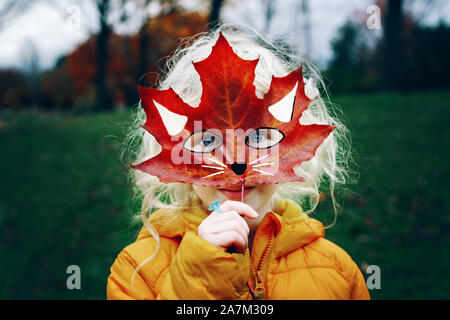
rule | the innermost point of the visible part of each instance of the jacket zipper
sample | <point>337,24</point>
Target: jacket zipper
<point>259,275</point>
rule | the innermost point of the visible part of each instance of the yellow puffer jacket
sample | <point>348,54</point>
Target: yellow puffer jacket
<point>290,260</point>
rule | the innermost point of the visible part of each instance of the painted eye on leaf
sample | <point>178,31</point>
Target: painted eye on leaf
<point>202,142</point>
<point>264,138</point>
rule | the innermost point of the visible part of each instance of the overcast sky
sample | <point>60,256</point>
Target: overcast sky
<point>54,32</point>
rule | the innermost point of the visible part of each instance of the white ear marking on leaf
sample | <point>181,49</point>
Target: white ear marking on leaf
<point>310,89</point>
<point>282,110</point>
<point>173,122</point>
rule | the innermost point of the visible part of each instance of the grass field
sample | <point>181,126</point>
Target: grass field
<point>65,199</point>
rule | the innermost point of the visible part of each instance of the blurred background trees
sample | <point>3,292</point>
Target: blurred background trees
<point>101,73</point>
<point>409,56</point>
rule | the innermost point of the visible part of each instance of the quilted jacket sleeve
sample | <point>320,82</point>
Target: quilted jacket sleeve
<point>119,286</point>
<point>360,291</point>
<point>198,270</point>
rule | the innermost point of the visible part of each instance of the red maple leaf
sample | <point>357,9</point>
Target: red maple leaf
<point>230,108</point>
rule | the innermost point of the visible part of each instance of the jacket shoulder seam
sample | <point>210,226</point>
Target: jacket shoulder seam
<point>117,283</point>
<point>334,265</point>
<point>313,267</point>
<point>133,264</point>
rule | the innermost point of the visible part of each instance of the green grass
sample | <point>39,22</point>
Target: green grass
<point>398,216</point>
<point>65,199</point>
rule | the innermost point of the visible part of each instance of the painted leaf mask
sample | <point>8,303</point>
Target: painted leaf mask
<point>232,135</point>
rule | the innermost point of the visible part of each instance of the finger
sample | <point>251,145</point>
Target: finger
<point>228,238</point>
<point>229,216</point>
<point>240,207</point>
<point>231,225</point>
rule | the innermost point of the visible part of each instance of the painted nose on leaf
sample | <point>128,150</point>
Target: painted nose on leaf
<point>239,168</point>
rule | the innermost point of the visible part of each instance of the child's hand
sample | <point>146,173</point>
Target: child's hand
<point>228,228</point>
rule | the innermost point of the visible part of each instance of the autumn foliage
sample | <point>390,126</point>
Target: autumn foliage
<point>72,81</point>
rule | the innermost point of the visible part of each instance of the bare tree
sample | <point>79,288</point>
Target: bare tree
<point>102,39</point>
<point>269,13</point>
<point>393,27</point>
<point>167,7</point>
<point>103,9</point>
<point>30,63</point>
<point>306,26</point>
<point>214,14</point>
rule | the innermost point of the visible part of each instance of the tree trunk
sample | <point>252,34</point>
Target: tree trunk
<point>144,41</point>
<point>270,10</point>
<point>214,14</point>
<point>103,98</point>
<point>393,44</point>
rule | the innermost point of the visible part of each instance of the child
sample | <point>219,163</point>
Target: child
<point>258,243</point>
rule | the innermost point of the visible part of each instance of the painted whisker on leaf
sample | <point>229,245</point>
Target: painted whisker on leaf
<point>264,172</point>
<point>263,164</point>
<point>254,161</point>
<point>218,168</point>
<point>217,161</point>
<point>213,174</point>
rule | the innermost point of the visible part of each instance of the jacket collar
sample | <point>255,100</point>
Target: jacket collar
<point>292,227</point>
